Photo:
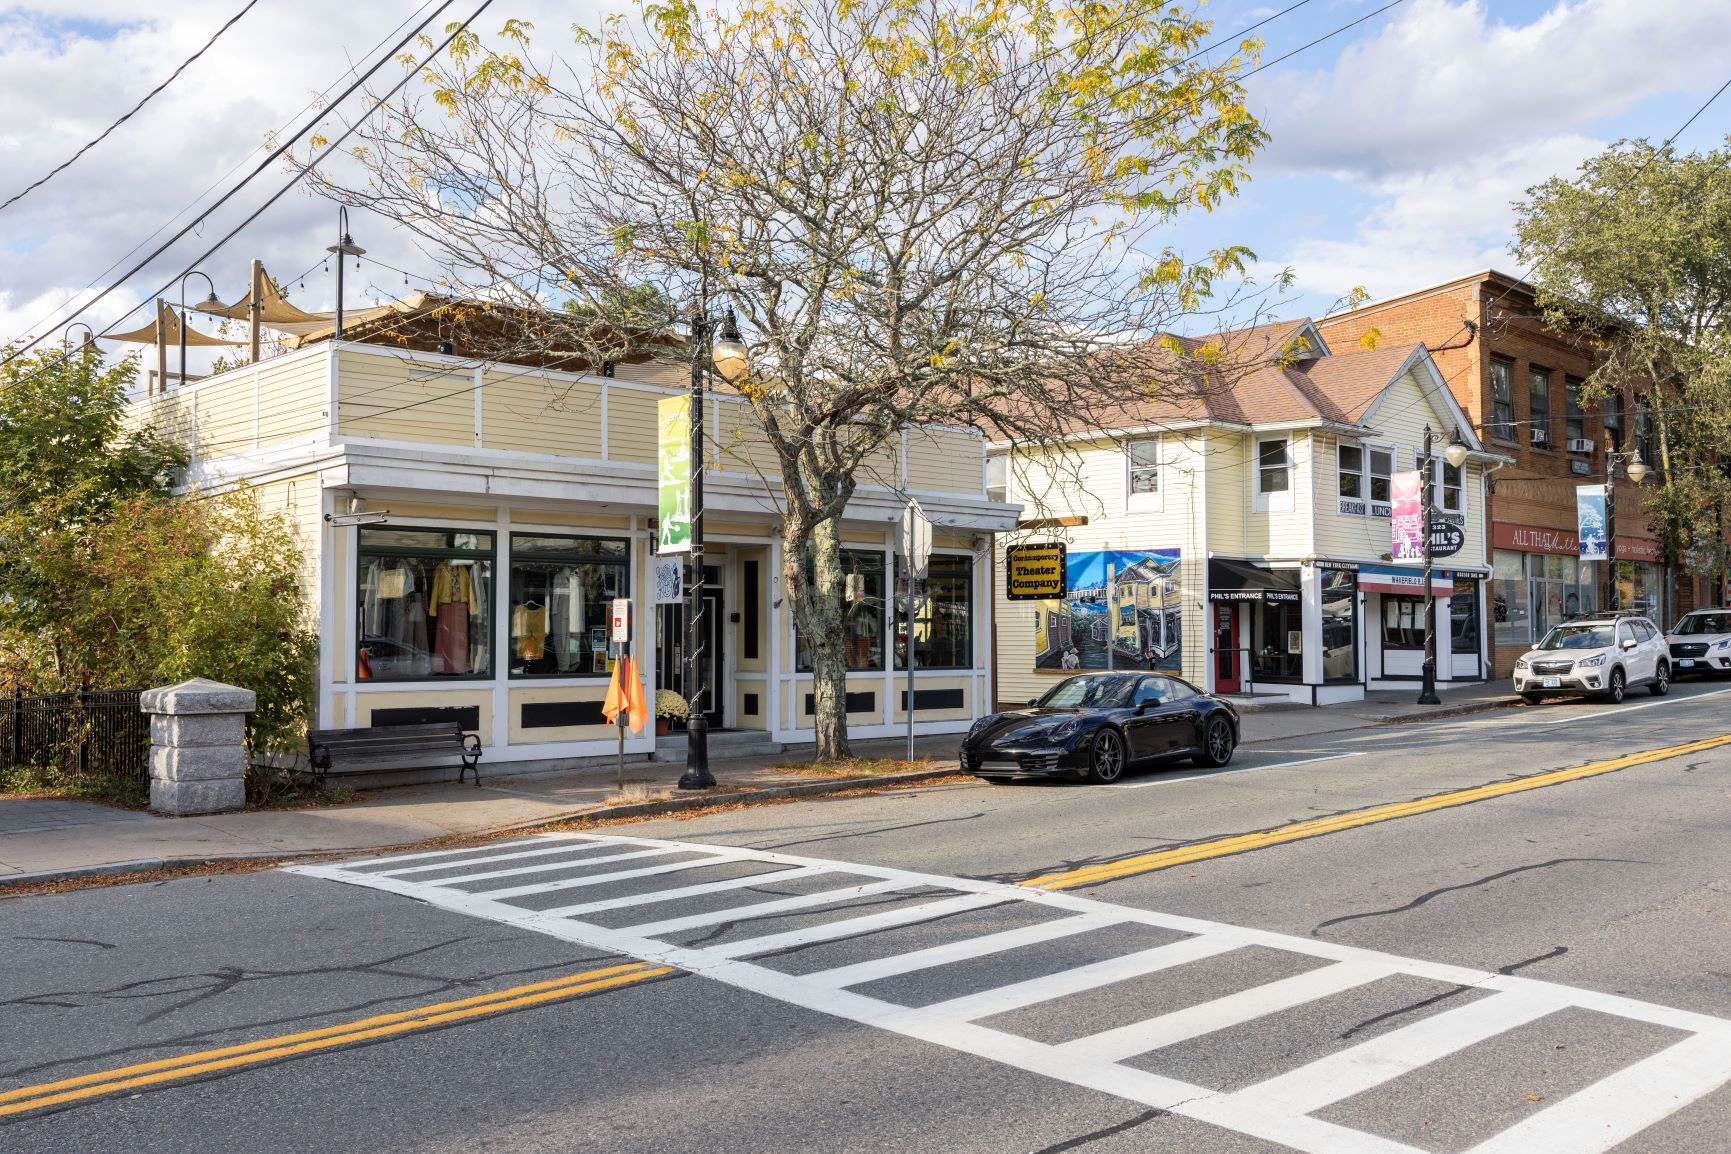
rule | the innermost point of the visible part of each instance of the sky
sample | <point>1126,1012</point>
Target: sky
<point>1398,146</point>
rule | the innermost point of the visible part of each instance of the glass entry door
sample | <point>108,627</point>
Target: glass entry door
<point>670,646</point>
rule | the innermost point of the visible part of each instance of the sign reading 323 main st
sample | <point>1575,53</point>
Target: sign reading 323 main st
<point>1034,572</point>
<point>673,472</point>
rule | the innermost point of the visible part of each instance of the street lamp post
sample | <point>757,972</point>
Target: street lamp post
<point>729,358</point>
<point>345,246</point>
<point>1455,454</point>
<point>1637,470</point>
<point>208,301</point>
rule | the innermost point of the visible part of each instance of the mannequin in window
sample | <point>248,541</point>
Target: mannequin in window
<point>451,604</point>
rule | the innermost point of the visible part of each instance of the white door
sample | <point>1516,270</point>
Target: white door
<point>1637,665</point>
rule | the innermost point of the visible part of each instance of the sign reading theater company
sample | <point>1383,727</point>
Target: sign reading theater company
<point>1034,572</point>
<point>673,473</point>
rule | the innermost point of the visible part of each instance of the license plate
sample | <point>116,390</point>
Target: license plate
<point>1553,682</point>
<point>1685,661</point>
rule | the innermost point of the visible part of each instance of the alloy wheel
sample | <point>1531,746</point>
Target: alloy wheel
<point>1616,687</point>
<point>1219,742</point>
<point>1661,681</point>
<point>1108,761</point>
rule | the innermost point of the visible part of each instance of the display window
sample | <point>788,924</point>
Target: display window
<point>424,604</point>
<point>863,579</point>
<point>562,590</point>
<point>943,616</point>
<point>1339,625</point>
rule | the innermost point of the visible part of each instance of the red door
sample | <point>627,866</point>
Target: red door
<point>1226,656</point>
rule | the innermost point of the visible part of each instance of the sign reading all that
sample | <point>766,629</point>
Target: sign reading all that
<point>673,471</point>
<point>1034,572</point>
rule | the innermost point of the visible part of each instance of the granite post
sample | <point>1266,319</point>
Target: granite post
<point>198,746</point>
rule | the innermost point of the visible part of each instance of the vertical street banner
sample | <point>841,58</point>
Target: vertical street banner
<point>1407,520</point>
<point>673,469</point>
<point>1590,522</point>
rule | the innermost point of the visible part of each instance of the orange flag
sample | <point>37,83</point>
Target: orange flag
<point>625,695</point>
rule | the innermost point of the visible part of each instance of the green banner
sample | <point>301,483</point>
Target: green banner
<point>673,467</point>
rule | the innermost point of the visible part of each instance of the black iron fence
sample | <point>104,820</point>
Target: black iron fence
<point>90,738</point>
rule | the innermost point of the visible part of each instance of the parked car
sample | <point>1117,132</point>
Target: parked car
<point>1700,642</point>
<point>1097,725</point>
<point>1603,656</point>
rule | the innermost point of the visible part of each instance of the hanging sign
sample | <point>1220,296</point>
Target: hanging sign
<point>1590,521</point>
<point>1407,522</point>
<point>673,470</point>
<point>1446,539</point>
<point>916,538</point>
<point>669,580</point>
<point>1034,572</point>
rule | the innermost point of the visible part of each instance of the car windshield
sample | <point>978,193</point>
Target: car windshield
<point>1698,623</point>
<point>1091,692</point>
<point>1578,637</point>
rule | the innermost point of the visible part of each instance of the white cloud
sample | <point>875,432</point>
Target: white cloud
<point>1445,79</point>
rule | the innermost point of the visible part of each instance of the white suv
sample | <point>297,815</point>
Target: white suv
<point>1606,655</point>
<point>1700,642</point>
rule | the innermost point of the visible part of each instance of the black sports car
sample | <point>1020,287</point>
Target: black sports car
<point>1097,725</point>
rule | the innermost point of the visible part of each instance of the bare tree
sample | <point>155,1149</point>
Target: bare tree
<point>922,212</point>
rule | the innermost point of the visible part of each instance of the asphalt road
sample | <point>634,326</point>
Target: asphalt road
<point>1548,965</point>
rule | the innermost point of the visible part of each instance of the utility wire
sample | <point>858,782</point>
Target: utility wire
<point>269,158</point>
<point>128,114</point>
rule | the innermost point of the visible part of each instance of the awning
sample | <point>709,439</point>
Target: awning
<point>1230,580</point>
<point>1404,579</point>
<point>165,330</point>
<point>275,312</point>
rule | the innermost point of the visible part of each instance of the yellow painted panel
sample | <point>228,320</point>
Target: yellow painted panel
<point>223,415</point>
<point>397,399</point>
<point>599,521</point>
<point>862,683</point>
<point>964,683</point>
<point>759,719</point>
<point>631,426</point>
<point>293,399</point>
<point>369,699</point>
<point>946,461</point>
<point>429,512</point>
<point>739,443</point>
<point>531,414</point>
<point>297,500</point>
<point>521,696</point>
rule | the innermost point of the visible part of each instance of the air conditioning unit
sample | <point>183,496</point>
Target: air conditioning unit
<point>1580,445</point>
<point>1539,436</point>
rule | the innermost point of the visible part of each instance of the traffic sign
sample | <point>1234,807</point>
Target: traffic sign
<point>1034,572</point>
<point>916,539</point>
<point>1446,539</point>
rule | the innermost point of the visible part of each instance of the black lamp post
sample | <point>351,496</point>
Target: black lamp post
<point>89,336</point>
<point>345,246</point>
<point>208,301</point>
<point>1637,470</point>
<point>1455,454</point>
<point>728,356</point>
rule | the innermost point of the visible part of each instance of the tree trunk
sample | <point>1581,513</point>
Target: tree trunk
<point>812,575</point>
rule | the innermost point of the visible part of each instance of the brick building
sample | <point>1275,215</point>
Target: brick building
<point>1518,381</point>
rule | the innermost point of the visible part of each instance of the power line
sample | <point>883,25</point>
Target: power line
<point>270,157</point>
<point>128,114</point>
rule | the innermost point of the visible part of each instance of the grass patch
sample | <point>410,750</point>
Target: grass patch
<point>859,766</point>
<point>311,797</point>
<point>38,782</point>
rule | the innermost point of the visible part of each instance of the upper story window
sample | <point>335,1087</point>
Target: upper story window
<point>1452,487</point>
<point>425,604</point>
<point>1575,420</point>
<point>1144,459</point>
<point>1502,400</point>
<point>998,478</point>
<point>1274,467</point>
<point>1645,441</point>
<point>1614,418</point>
<point>1539,394</point>
<point>1381,469</point>
<point>1351,469</point>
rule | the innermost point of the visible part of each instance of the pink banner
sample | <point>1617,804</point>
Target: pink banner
<point>1407,520</point>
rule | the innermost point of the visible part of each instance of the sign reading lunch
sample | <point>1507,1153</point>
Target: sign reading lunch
<point>1034,572</point>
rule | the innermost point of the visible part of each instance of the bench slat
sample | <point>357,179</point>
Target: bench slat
<point>379,749</point>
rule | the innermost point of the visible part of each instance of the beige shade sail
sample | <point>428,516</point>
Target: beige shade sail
<point>275,312</point>
<point>166,331</point>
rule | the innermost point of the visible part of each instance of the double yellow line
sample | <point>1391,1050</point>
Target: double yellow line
<point>231,1058</point>
<point>1317,827</point>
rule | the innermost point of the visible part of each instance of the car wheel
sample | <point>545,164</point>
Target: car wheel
<point>1661,680</point>
<point>1106,763</point>
<point>1615,688</point>
<point>1217,744</point>
<point>1532,698</point>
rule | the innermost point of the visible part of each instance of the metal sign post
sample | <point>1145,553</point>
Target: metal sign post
<point>622,634</point>
<point>916,543</point>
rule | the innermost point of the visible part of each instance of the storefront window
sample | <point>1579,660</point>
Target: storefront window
<point>1279,653</point>
<point>943,617</point>
<point>1339,625</point>
<point>1464,617</point>
<point>1641,588</point>
<point>1402,622</point>
<point>862,627</point>
<point>425,599</point>
<point>561,589</point>
<point>1530,592</point>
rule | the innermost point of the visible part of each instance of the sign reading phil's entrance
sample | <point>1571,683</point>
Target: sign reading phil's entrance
<point>1034,572</point>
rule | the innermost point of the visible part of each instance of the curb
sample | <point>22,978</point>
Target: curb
<point>639,809</point>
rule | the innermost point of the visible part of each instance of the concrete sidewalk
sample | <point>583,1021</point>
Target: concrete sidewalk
<point>55,837</point>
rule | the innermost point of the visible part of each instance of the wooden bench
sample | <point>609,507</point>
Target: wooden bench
<point>393,747</point>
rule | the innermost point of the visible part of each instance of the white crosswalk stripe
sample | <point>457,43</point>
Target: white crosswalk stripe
<point>1279,1109</point>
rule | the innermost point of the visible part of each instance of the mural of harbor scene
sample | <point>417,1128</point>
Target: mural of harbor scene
<point>1140,616</point>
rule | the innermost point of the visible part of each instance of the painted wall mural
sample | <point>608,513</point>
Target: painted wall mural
<point>1128,599</point>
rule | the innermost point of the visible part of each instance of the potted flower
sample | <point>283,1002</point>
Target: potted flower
<point>669,707</point>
